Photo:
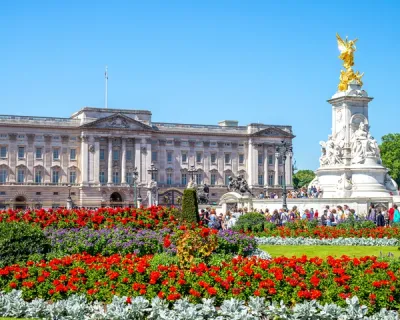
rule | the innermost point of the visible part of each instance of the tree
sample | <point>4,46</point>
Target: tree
<point>190,209</point>
<point>302,178</point>
<point>390,154</point>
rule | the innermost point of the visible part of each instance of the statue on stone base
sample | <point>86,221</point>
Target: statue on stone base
<point>203,194</point>
<point>238,184</point>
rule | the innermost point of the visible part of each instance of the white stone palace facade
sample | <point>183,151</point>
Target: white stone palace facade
<point>96,150</point>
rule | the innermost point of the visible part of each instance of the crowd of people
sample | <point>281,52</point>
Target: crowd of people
<point>311,192</point>
<point>331,216</point>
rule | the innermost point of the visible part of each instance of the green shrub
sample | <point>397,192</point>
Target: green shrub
<point>164,259</point>
<point>20,240</point>
<point>252,221</point>
<point>190,208</point>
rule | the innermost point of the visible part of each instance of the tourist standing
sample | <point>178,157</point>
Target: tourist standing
<point>391,215</point>
<point>372,213</point>
<point>380,220</point>
<point>396,217</point>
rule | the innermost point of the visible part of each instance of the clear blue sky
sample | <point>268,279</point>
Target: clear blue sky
<point>273,62</point>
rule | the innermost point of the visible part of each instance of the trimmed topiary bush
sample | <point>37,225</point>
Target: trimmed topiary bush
<point>252,221</point>
<point>20,240</point>
<point>190,208</point>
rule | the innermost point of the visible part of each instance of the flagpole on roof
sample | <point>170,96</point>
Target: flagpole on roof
<point>106,94</point>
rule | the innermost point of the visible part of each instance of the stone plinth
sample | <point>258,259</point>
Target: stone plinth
<point>350,164</point>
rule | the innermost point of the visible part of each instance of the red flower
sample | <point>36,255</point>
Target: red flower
<point>211,291</point>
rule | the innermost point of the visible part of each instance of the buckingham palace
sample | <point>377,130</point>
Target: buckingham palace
<point>93,157</point>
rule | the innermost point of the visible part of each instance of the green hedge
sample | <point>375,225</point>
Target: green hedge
<point>252,221</point>
<point>19,240</point>
<point>190,208</point>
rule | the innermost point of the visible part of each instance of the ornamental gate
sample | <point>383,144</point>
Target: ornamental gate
<point>171,197</point>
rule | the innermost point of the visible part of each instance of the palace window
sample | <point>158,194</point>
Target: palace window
<point>260,158</point>
<point>154,156</point>
<point>129,155</point>
<point>213,179</point>
<point>241,158</point>
<point>280,181</point>
<point>184,179</point>
<point>169,178</point>
<point>3,152</point>
<point>260,179</point>
<point>271,180</point>
<point>38,193</point>
<point>280,160</point>
<point>198,157</point>
<point>102,177</point>
<point>72,154</point>
<point>116,177</point>
<point>21,152</point>
<point>227,158</point>
<point>38,176</point>
<point>72,177</point>
<point>227,175</point>
<point>39,153</point>
<point>115,155</point>
<point>213,158</point>
<point>56,154</point>
<point>55,176</point>
<point>184,157</point>
<point>21,175</point>
<point>3,175</point>
<point>213,144</point>
<point>169,156</point>
<point>270,159</point>
<point>199,178</point>
<point>102,154</point>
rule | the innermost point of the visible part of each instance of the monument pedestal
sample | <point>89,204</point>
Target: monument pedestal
<point>350,164</point>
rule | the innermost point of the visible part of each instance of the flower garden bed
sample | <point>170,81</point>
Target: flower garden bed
<point>101,255</point>
<point>291,280</point>
<point>279,241</point>
<point>322,232</point>
<point>78,308</point>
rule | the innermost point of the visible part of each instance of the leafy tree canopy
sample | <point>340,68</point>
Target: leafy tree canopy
<point>302,178</point>
<point>390,154</point>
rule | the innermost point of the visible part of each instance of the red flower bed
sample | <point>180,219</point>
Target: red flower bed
<point>289,279</point>
<point>322,232</point>
<point>149,218</point>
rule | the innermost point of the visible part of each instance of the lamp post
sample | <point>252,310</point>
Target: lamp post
<point>69,200</point>
<point>192,171</point>
<point>284,149</point>
<point>153,170</point>
<point>135,176</point>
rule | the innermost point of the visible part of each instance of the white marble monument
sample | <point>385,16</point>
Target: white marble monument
<point>350,163</point>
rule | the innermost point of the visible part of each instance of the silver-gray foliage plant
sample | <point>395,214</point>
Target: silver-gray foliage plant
<point>76,307</point>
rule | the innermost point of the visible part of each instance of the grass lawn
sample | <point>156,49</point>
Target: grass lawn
<point>324,251</point>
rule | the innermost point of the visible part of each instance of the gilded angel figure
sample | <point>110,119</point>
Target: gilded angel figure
<point>346,48</point>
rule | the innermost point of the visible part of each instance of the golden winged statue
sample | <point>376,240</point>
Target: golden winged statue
<point>347,49</point>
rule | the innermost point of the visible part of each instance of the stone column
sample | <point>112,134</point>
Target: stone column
<point>12,157</point>
<point>29,158</point>
<point>91,159</point>
<point>288,170</point>
<point>147,160</point>
<point>252,164</point>
<point>84,159</point>
<point>265,166</point>
<point>109,170</point>
<point>123,162</point>
<point>96,160</point>
<point>276,180</point>
<point>137,160</point>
